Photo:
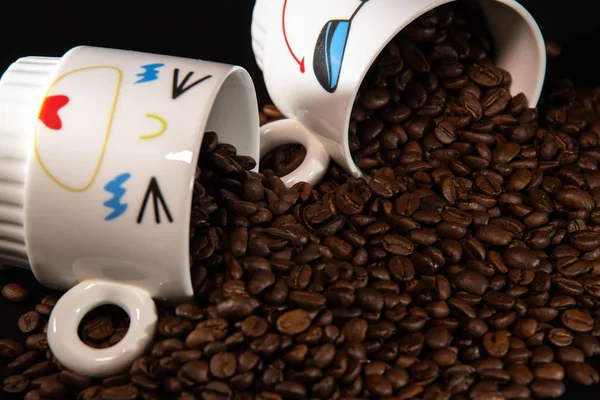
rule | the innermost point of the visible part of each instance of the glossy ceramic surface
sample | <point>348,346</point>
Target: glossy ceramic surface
<point>83,298</point>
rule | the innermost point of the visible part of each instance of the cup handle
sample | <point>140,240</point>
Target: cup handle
<point>287,131</point>
<point>66,315</point>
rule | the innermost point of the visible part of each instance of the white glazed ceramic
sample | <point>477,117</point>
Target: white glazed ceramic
<point>285,40</point>
<point>98,151</point>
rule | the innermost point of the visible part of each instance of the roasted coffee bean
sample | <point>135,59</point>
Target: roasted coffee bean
<point>37,342</point>
<point>461,308</point>
<point>446,132</point>
<point>397,245</point>
<point>99,328</point>
<point>520,374</point>
<point>582,373</point>
<point>128,391</point>
<point>293,322</point>
<point>525,328</point>
<point>472,282</point>
<point>379,385</point>
<point>493,235</point>
<point>355,330</point>
<point>588,344</point>
<point>254,326</point>
<point>585,240</point>
<point>207,332</point>
<point>223,365</point>
<point>195,371</point>
<point>496,344</point>
<point>14,292</point>
<point>290,390</point>
<point>414,57</point>
<point>521,258</point>
<point>74,380</point>
<point>282,160</point>
<point>495,101</point>
<point>569,355</point>
<point>575,199</point>
<point>38,369</point>
<point>24,361</point>
<point>33,395</point>
<point>375,99</point>
<point>547,389</point>
<point>550,370</point>
<point>29,322</point>
<point>189,311</point>
<point>10,348</point>
<point>307,300</point>
<point>54,389</point>
<point>515,391</point>
<point>485,76</point>
<point>370,299</point>
<point>560,337</point>
<point>577,320</point>
<point>15,384</point>
<point>499,300</point>
<point>437,337</point>
<point>174,326</point>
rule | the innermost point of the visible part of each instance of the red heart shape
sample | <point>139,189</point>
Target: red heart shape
<point>49,111</point>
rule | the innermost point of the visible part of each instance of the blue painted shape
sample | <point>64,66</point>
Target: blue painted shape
<point>150,72</point>
<point>115,187</point>
<point>337,48</point>
<point>327,64</point>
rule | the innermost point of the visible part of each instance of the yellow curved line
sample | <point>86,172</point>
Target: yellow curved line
<point>106,136</point>
<point>157,134</point>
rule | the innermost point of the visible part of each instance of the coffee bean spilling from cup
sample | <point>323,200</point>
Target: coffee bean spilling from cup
<point>433,95</point>
<point>466,267</point>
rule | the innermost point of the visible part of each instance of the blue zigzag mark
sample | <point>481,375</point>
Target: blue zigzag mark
<point>115,187</point>
<point>150,73</point>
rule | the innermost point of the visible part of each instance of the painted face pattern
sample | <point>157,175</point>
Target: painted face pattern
<point>79,126</point>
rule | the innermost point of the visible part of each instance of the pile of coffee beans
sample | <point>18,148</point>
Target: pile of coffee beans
<point>434,88</point>
<point>466,267</point>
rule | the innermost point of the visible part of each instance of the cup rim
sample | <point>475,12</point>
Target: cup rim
<point>251,109</point>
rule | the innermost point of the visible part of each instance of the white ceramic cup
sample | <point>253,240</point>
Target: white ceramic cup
<point>98,151</point>
<point>314,54</point>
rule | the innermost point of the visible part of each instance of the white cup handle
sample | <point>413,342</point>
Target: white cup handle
<point>288,131</point>
<point>66,315</point>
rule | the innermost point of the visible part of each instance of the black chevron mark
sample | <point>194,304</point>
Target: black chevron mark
<point>157,196</point>
<point>180,88</point>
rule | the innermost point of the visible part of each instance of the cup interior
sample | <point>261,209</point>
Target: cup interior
<point>519,46</point>
<point>234,114</point>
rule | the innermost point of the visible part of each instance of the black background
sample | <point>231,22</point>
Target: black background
<point>219,30</point>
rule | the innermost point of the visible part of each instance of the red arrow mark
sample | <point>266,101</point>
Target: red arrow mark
<point>300,62</point>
